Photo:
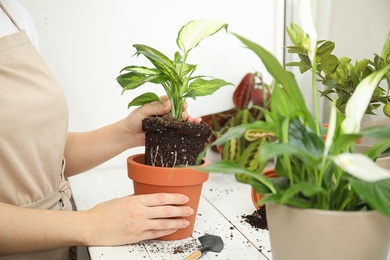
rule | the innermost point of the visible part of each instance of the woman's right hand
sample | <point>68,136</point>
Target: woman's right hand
<point>137,217</point>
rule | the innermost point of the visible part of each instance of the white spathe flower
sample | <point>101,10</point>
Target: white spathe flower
<point>361,167</point>
<point>358,102</point>
<point>307,22</point>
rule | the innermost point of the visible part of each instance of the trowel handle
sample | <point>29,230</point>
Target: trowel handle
<point>194,256</point>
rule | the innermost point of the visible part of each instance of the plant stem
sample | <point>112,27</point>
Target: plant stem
<point>315,99</point>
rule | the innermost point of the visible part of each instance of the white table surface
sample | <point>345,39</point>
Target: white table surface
<point>223,203</point>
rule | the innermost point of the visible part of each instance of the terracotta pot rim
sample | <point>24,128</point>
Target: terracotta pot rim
<point>164,176</point>
<point>134,156</point>
<point>270,173</point>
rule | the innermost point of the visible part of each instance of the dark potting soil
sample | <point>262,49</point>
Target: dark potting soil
<point>170,142</point>
<point>258,219</point>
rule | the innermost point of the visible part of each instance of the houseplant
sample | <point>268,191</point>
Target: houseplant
<point>179,83</point>
<point>250,98</point>
<point>170,143</point>
<point>340,75</point>
<point>324,179</point>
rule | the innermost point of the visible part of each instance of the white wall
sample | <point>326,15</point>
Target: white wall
<point>87,42</point>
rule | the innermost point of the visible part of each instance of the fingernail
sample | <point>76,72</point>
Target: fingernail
<point>190,211</point>
<point>185,199</point>
<point>186,223</point>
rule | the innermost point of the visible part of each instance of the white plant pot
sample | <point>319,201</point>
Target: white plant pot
<point>309,234</point>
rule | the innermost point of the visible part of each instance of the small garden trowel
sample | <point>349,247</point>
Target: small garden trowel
<point>209,243</point>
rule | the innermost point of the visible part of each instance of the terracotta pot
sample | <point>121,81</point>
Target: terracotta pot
<point>308,234</point>
<point>270,173</point>
<point>152,179</point>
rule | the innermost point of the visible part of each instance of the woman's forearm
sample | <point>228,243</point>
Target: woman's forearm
<point>86,150</point>
<point>26,230</point>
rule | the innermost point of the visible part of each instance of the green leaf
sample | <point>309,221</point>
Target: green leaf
<point>272,65</point>
<point>204,87</point>
<point>296,34</point>
<point>329,63</point>
<point>258,186</point>
<point>343,141</point>
<point>378,149</point>
<point>133,80</point>
<point>141,70</point>
<point>190,94</point>
<point>293,63</point>
<point>293,36</point>
<point>386,48</point>
<point>306,188</point>
<point>305,139</point>
<point>193,32</point>
<point>361,65</point>
<point>271,150</point>
<point>325,48</point>
<point>239,130</point>
<point>159,60</point>
<point>376,194</point>
<point>293,49</point>
<point>130,80</point>
<point>143,99</point>
<point>380,132</point>
<point>230,167</point>
<point>184,68</point>
<point>290,90</point>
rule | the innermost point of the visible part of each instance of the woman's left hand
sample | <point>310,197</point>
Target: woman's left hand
<point>134,120</point>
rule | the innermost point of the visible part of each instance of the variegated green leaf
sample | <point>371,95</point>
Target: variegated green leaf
<point>204,87</point>
<point>143,99</point>
<point>193,32</point>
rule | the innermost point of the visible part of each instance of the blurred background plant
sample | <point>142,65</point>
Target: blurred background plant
<point>339,75</point>
<point>251,98</point>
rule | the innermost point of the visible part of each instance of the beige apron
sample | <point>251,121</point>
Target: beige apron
<point>33,127</point>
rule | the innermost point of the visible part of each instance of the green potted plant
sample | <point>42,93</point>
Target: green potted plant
<point>328,201</point>
<point>170,143</point>
<point>341,76</point>
<point>177,78</point>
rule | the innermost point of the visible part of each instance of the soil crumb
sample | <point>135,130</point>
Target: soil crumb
<point>258,219</point>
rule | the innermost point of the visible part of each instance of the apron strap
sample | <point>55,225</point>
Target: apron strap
<point>10,16</point>
<point>59,200</point>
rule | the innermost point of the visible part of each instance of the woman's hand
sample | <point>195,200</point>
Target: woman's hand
<point>134,120</point>
<point>135,218</point>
